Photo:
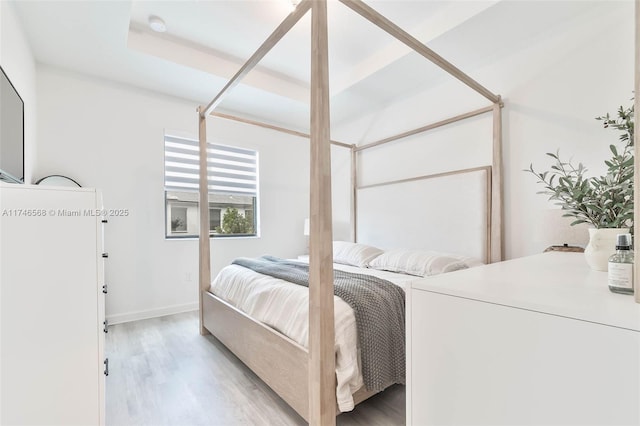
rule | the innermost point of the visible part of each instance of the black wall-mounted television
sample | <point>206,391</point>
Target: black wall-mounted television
<point>11,132</point>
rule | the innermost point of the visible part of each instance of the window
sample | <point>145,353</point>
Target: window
<point>178,219</point>
<point>214,218</point>
<point>233,189</point>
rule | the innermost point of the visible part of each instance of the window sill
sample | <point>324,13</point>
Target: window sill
<point>212,237</point>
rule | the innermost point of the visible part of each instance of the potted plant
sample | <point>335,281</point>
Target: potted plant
<point>605,202</point>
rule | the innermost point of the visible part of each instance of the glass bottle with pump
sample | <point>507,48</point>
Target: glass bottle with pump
<point>621,266</point>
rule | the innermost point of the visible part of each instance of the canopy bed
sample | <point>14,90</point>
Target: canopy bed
<point>306,378</point>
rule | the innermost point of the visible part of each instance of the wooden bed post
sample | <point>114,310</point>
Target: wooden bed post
<point>204,242</point>
<point>636,151</point>
<point>354,194</point>
<point>322,396</point>
<point>300,10</point>
<point>385,24</point>
<point>273,127</point>
<point>425,128</point>
<point>497,205</point>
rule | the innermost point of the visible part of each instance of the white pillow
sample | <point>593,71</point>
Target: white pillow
<point>354,254</point>
<point>421,263</point>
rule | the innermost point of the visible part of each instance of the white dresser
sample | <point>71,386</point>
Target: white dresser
<point>533,341</point>
<point>52,368</point>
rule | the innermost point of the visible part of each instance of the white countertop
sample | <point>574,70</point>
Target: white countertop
<point>557,283</point>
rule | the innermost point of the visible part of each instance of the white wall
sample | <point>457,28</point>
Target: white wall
<point>110,136</point>
<point>553,89</point>
<point>18,63</point>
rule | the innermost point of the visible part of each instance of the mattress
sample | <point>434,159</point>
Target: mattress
<point>285,307</point>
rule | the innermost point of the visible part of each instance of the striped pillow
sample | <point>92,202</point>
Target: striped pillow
<point>421,263</point>
<point>354,254</point>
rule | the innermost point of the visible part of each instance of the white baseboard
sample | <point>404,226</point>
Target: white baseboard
<point>151,313</point>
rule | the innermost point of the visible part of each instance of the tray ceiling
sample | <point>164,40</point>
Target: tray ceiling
<point>207,41</point>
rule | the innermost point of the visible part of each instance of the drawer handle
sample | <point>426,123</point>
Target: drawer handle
<point>106,325</point>
<point>104,289</point>
<point>106,366</point>
<point>105,255</point>
<point>105,221</point>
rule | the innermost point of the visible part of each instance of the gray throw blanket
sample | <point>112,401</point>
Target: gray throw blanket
<point>379,309</point>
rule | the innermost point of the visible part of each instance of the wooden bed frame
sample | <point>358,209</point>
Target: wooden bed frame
<point>279,361</point>
<point>305,379</point>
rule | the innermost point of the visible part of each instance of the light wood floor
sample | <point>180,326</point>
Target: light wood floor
<point>162,372</point>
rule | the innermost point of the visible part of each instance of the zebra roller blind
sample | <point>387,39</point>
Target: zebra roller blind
<point>231,170</point>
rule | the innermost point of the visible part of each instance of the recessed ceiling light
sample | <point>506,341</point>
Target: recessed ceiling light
<point>157,24</point>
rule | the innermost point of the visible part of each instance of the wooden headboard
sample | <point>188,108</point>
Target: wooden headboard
<point>447,212</point>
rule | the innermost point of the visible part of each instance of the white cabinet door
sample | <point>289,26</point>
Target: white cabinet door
<point>51,367</point>
<point>485,364</point>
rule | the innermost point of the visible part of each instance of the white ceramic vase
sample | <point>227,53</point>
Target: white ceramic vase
<point>602,244</point>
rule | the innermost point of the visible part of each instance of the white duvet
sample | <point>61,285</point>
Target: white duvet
<point>285,307</point>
